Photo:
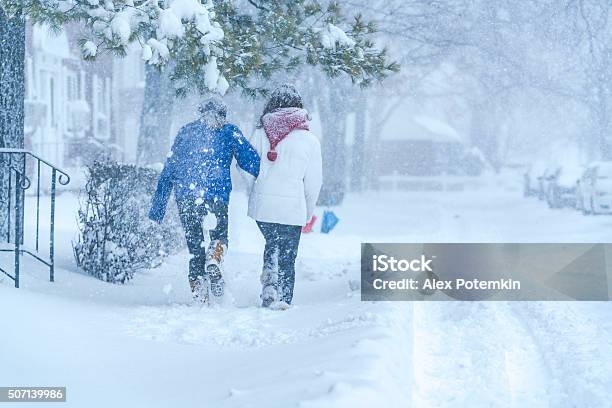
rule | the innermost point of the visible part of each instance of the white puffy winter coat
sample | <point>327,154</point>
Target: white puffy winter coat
<point>286,190</point>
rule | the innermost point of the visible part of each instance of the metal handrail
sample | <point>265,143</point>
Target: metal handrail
<point>61,172</point>
<point>17,172</point>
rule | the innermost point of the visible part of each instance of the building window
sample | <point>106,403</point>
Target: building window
<point>52,100</point>
<point>72,90</point>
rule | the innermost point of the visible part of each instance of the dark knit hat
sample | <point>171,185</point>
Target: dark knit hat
<point>284,96</point>
<point>213,105</point>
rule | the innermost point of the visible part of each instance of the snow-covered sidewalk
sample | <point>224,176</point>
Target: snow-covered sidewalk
<point>145,344</point>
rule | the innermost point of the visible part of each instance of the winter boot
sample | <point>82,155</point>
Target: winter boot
<point>200,289</point>
<point>214,259</point>
<point>268,296</point>
<point>269,291</point>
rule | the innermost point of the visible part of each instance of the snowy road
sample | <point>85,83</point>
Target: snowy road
<point>143,345</point>
<point>512,355</point>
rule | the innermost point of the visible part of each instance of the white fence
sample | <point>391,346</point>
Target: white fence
<point>398,182</point>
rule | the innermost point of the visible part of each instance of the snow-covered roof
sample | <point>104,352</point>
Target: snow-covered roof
<point>604,167</point>
<point>402,127</point>
<point>438,127</point>
<point>570,173</point>
<point>49,42</point>
<point>408,120</point>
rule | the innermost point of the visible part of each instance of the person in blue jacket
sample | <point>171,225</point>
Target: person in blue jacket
<point>198,170</point>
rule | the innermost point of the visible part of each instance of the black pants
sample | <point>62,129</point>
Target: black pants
<point>282,242</point>
<point>192,215</point>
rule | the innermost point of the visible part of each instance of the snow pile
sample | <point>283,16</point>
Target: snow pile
<point>170,25</point>
<point>121,24</point>
<point>199,14</point>
<point>90,49</point>
<point>569,175</point>
<point>171,20</point>
<point>331,36</point>
<point>156,52</point>
<point>147,52</point>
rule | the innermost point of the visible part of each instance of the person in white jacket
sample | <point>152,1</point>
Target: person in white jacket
<point>284,195</point>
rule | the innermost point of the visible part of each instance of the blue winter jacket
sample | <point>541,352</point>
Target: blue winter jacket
<point>199,163</point>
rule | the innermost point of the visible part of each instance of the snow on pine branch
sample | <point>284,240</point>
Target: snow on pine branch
<point>209,46</point>
<point>318,33</point>
<point>160,28</point>
<point>350,51</point>
<point>333,35</point>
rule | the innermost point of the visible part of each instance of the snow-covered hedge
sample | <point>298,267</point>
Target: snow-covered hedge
<point>116,237</point>
<point>473,162</point>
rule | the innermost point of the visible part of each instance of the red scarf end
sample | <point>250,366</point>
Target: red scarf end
<point>272,155</point>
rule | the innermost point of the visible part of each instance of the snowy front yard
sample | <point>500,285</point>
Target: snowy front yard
<point>144,345</point>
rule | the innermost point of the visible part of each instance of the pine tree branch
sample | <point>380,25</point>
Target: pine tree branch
<point>258,6</point>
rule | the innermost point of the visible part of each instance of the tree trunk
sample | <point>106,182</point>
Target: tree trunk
<point>603,123</point>
<point>484,131</point>
<point>357,164</point>
<point>601,144</point>
<point>332,108</point>
<point>156,117</point>
<point>12,97</point>
<point>372,154</point>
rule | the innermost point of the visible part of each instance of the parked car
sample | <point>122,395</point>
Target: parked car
<point>531,185</point>
<point>582,186</point>
<point>594,189</point>
<point>544,180</point>
<point>562,187</point>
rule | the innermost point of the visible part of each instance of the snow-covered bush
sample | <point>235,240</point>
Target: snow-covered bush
<point>473,162</point>
<point>116,237</point>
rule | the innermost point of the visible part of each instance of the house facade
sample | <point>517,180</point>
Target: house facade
<point>128,83</point>
<point>419,146</point>
<point>72,116</point>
